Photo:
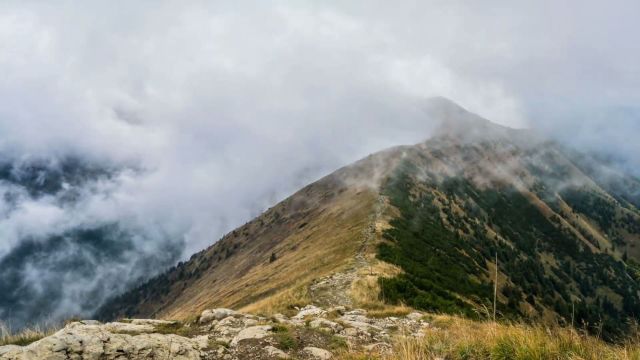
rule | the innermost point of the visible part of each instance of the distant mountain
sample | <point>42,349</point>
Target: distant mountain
<point>565,228</point>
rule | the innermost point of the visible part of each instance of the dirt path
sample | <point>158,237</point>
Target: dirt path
<point>333,290</point>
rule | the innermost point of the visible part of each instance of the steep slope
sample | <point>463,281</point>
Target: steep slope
<point>564,226</point>
<point>317,231</point>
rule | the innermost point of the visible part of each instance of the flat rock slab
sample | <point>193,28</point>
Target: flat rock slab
<point>254,332</point>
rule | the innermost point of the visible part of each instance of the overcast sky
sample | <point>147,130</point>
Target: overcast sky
<point>230,106</point>
<point>235,104</point>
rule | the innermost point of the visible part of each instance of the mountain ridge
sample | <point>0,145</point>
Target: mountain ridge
<point>471,191</point>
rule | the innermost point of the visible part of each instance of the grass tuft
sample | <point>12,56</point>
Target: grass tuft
<point>25,336</point>
<point>462,339</point>
<point>284,302</point>
<point>286,341</point>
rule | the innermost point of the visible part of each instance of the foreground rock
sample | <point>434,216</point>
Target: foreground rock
<point>312,333</point>
<point>80,341</point>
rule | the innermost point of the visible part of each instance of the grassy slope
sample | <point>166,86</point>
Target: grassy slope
<point>315,232</point>
<point>456,338</point>
<point>238,270</point>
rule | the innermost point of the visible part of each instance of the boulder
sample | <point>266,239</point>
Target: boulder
<point>254,332</point>
<point>274,352</point>
<point>229,326</point>
<point>309,310</point>
<point>317,353</point>
<point>215,314</point>
<point>325,324</point>
<point>363,326</point>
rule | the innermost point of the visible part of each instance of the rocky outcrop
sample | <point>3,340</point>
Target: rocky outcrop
<point>79,340</point>
<point>215,314</point>
<point>254,332</point>
<point>312,333</point>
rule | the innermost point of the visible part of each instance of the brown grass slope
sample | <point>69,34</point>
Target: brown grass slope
<point>316,231</point>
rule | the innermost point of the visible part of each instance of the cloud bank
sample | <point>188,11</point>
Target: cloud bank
<point>203,114</point>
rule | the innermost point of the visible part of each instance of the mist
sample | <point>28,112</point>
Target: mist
<point>186,119</point>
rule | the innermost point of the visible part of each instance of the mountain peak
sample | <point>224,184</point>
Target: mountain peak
<point>454,120</point>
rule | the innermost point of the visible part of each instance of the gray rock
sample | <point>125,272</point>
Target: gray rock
<point>254,332</point>
<point>325,324</point>
<point>202,341</point>
<point>274,352</point>
<point>223,340</point>
<point>215,314</point>
<point>80,341</point>
<point>317,353</point>
<point>229,321</point>
<point>250,322</point>
<point>137,339</point>
<point>355,317</point>
<point>309,310</point>
<point>363,326</point>
<point>229,326</point>
<point>415,316</point>
<point>90,322</point>
<point>9,348</point>
<point>280,318</point>
<point>120,327</point>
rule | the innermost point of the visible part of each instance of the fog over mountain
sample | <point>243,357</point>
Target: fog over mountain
<point>132,135</point>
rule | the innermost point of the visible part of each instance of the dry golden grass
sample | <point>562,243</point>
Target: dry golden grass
<point>23,337</point>
<point>456,338</point>
<point>283,302</point>
<point>306,249</point>
<point>365,290</point>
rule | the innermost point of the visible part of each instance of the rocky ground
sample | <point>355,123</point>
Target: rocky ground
<point>313,333</point>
